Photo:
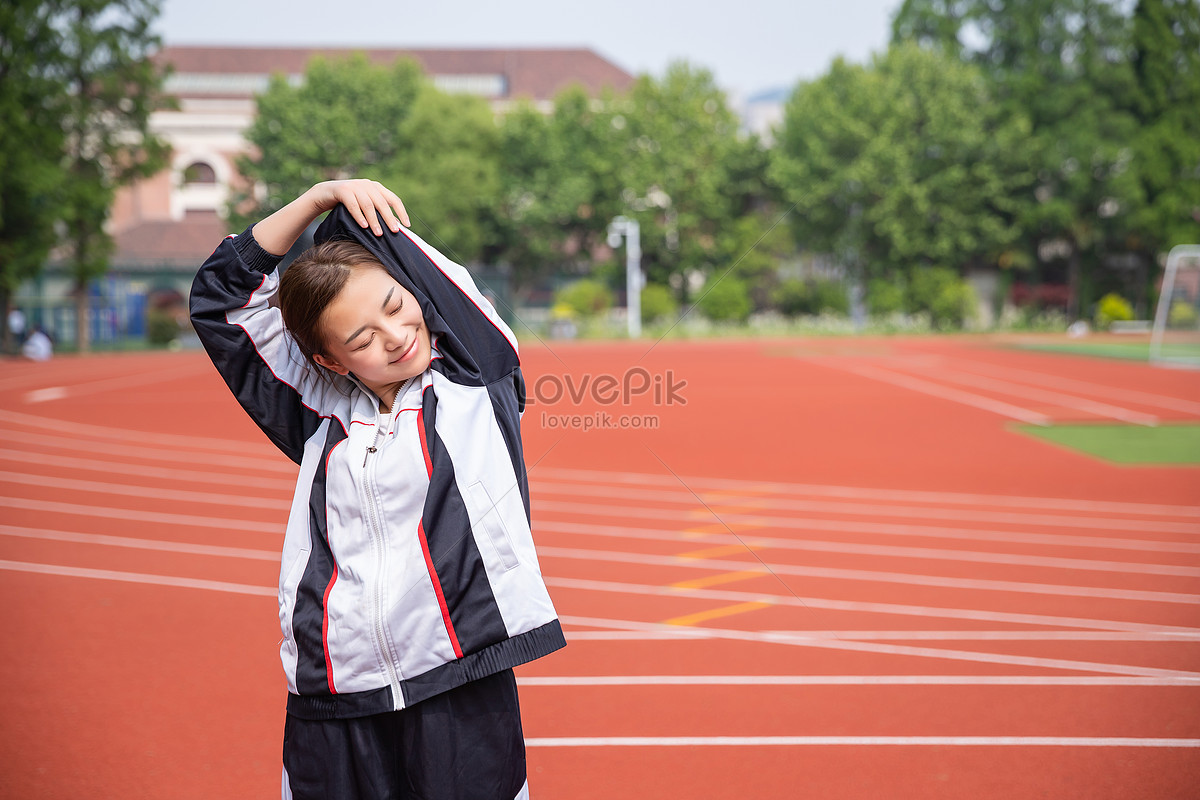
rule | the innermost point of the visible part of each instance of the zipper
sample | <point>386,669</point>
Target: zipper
<point>382,428</point>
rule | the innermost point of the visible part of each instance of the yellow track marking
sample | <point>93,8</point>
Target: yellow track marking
<point>715,552</point>
<point>717,580</point>
<point>714,613</point>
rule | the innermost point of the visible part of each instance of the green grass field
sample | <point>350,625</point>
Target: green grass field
<point>1126,444</point>
<point>1134,351</point>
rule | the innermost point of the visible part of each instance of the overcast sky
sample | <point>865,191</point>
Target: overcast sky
<point>750,45</point>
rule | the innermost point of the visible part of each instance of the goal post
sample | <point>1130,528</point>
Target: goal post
<point>1175,338</point>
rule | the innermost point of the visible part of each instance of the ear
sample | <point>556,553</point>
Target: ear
<point>330,364</point>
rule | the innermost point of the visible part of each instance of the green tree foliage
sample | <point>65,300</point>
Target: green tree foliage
<point>31,141</point>
<point>725,300</point>
<point>658,303</point>
<point>448,172</point>
<point>1064,64</point>
<point>351,118</point>
<point>902,164</point>
<point>586,297</point>
<point>687,175</point>
<point>940,292</point>
<point>560,183</point>
<point>112,87</point>
<point>1166,103</point>
<point>341,121</point>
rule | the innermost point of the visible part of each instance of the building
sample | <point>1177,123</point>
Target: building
<point>175,214</point>
<point>166,225</point>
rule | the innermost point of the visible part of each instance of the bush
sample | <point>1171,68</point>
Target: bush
<point>727,300</point>
<point>585,297</point>
<point>830,296</point>
<point>884,297</point>
<point>1182,316</point>
<point>161,327</point>
<point>657,302</point>
<point>1112,307</point>
<point>949,300</point>
<point>792,298</point>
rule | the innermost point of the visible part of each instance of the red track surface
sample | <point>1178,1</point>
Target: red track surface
<point>836,570</point>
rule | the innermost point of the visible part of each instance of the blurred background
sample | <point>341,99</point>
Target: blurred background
<point>878,166</point>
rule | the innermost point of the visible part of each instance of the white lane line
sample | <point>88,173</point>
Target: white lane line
<point>1034,393</point>
<point>171,453</point>
<point>944,392</point>
<point>874,576</point>
<point>908,531</point>
<point>794,521</point>
<point>753,503</point>
<point>856,741</point>
<point>861,493</point>
<point>138,577</point>
<point>1099,389</point>
<point>938,554</point>
<point>174,495</point>
<point>855,606</point>
<point>905,650</point>
<point>850,680</point>
<point>139,544</point>
<point>147,471</point>
<point>121,382</point>
<point>230,447</point>
<point>911,636</point>
<point>134,515</point>
<point>991,658</point>
<point>675,633</point>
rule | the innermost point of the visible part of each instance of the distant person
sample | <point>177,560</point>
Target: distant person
<point>409,587</point>
<point>38,347</point>
<point>16,324</point>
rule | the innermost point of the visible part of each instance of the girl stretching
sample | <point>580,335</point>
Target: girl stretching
<point>409,587</point>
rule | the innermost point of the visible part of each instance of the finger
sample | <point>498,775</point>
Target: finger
<point>398,204</point>
<point>369,205</point>
<point>350,201</point>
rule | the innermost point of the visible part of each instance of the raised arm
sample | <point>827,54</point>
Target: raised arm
<point>366,201</point>
<point>242,330</point>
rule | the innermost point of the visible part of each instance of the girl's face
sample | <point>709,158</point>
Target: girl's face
<point>374,328</point>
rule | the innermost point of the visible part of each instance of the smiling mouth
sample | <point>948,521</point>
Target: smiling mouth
<point>408,353</point>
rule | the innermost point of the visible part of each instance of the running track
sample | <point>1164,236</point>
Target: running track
<point>835,571</point>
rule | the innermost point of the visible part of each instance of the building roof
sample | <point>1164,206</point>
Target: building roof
<point>535,73</point>
<point>164,243</point>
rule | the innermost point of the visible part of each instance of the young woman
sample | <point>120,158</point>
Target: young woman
<point>409,587</point>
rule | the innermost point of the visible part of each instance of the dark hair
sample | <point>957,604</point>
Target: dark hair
<point>311,283</point>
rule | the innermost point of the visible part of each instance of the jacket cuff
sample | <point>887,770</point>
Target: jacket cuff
<point>252,254</point>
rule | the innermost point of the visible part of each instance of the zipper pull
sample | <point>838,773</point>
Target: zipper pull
<point>370,450</point>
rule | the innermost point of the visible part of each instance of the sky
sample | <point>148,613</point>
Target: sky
<point>749,45</point>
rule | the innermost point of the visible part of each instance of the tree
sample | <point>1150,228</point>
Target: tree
<point>686,172</point>
<point>1166,103</point>
<point>113,86</point>
<point>1062,64</point>
<point>343,120</point>
<point>31,141</point>
<point>352,118</point>
<point>901,165</point>
<point>561,182</point>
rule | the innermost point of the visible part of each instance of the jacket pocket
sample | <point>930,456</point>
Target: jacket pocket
<point>487,518</point>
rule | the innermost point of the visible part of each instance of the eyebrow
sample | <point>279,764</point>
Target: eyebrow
<point>387,299</point>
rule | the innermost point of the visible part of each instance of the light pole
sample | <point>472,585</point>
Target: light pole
<point>629,228</point>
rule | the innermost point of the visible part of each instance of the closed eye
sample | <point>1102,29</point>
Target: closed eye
<point>365,344</point>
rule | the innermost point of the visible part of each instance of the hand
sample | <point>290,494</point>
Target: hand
<point>367,201</point>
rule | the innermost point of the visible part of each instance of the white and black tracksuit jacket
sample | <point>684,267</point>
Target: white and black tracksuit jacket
<point>408,564</point>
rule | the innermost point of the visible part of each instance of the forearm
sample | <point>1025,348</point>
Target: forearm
<point>367,201</point>
<point>277,233</point>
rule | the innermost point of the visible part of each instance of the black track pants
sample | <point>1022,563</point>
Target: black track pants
<point>464,744</point>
